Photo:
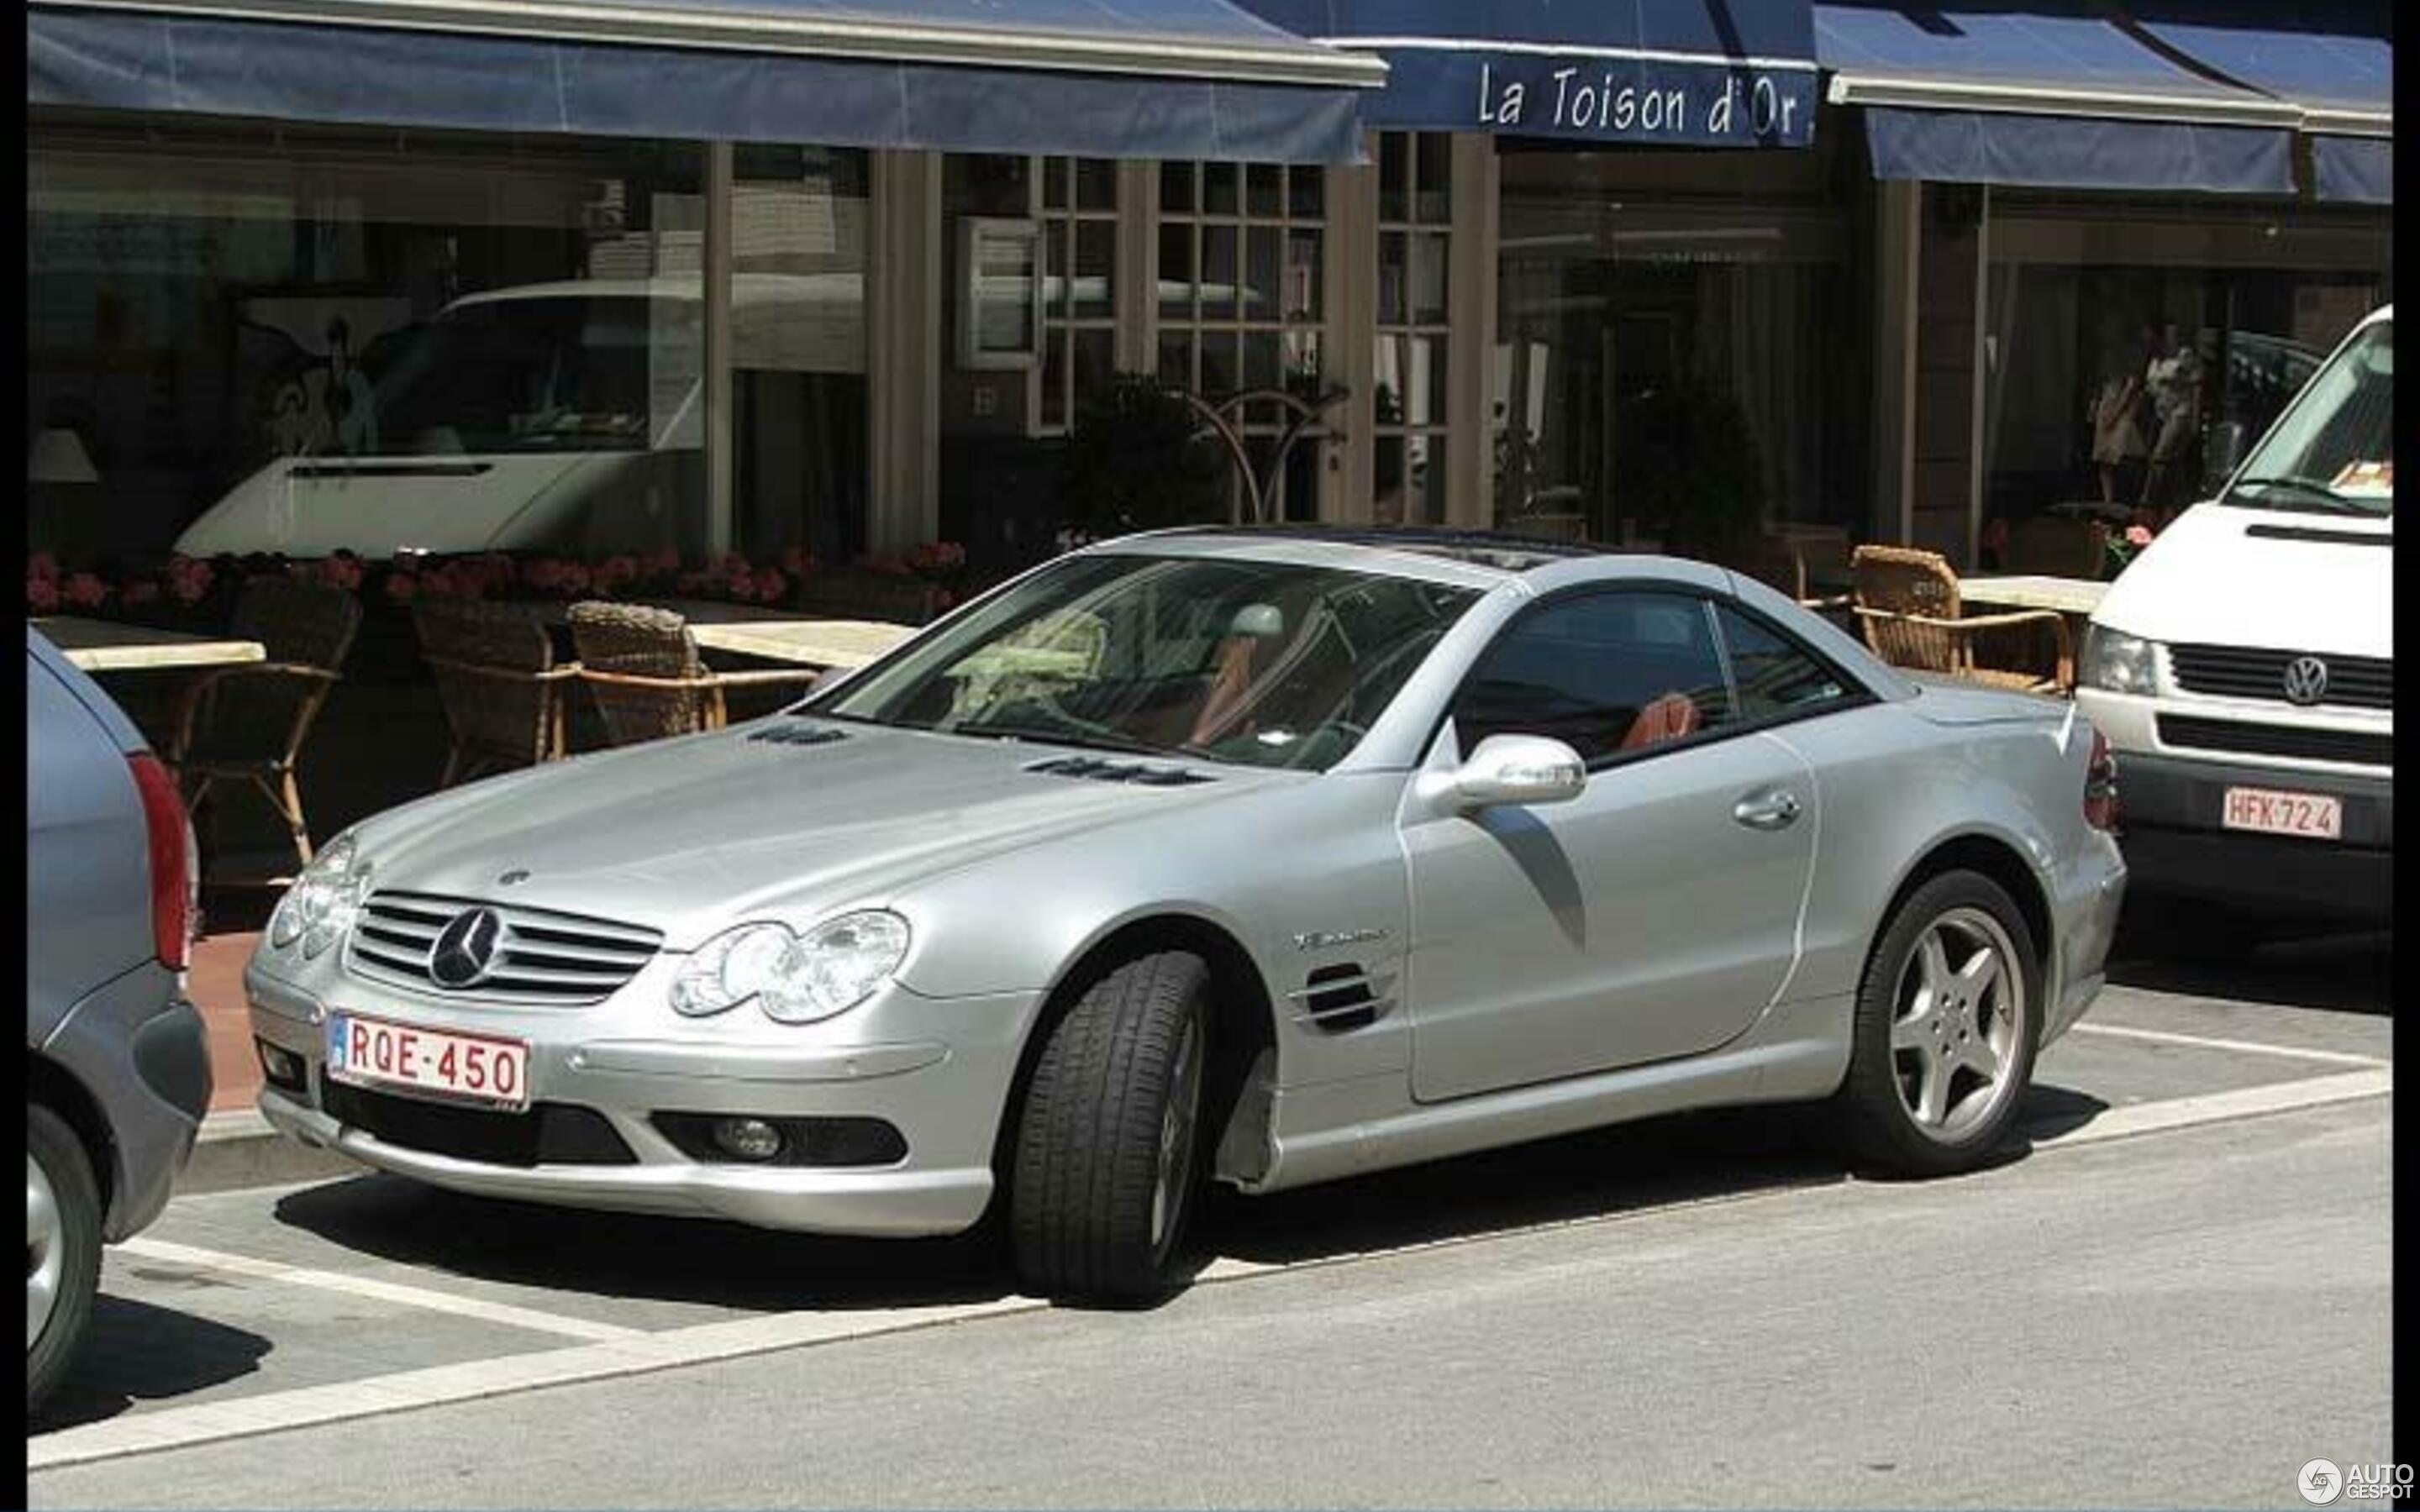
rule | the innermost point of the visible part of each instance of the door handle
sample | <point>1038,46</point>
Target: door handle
<point>1771,810</point>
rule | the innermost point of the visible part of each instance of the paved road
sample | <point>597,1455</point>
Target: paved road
<point>2177,1296</point>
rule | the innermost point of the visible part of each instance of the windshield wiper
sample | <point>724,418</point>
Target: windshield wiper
<point>2305,488</point>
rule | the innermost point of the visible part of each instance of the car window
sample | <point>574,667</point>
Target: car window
<point>1772,673</point>
<point>1607,673</point>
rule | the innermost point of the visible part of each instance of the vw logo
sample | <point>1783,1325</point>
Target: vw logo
<point>466,949</point>
<point>2306,680</point>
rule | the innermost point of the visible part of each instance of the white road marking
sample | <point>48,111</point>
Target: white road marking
<point>2203,1041</point>
<point>240,1417</point>
<point>635,1353</point>
<point>2222,1107</point>
<point>361,1286</point>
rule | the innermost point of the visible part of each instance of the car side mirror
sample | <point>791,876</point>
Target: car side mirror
<point>1519,769</point>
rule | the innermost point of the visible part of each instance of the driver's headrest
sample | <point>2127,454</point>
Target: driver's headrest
<point>1263,621</point>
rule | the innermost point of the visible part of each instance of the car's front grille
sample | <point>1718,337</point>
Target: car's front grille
<point>2246,673</point>
<point>548,1134</point>
<point>541,958</point>
<point>2277,740</point>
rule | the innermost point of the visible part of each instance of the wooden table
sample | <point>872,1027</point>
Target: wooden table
<point>848,643</point>
<point>106,647</point>
<point>2078,597</point>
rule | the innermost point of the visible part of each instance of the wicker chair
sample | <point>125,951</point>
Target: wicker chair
<point>504,696</point>
<point>864,593</point>
<point>1907,602</point>
<point>643,666</point>
<point>246,723</point>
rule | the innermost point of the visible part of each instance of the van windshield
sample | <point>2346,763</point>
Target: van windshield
<point>566,374</point>
<point>2334,450</point>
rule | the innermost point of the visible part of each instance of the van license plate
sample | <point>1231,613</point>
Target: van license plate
<point>2310,815</point>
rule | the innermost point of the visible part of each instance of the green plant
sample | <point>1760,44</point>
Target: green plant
<point>1138,459</point>
<point>1687,459</point>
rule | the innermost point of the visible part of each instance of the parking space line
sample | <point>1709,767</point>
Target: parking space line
<point>625,1354</point>
<point>361,1286</point>
<point>240,1417</point>
<point>2257,1047</point>
<point>2221,1107</point>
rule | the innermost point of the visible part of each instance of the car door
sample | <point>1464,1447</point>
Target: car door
<point>1652,917</point>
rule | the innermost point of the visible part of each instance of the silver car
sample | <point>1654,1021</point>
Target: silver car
<point>1263,857</point>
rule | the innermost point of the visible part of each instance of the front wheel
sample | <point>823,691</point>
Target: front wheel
<point>1104,1170</point>
<point>62,1248</point>
<point>1947,1019</point>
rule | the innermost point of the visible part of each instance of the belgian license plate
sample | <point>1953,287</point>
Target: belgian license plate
<point>470,1067</point>
<point>2311,815</point>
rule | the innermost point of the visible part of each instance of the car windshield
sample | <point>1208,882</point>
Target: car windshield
<point>2333,450</point>
<point>528,375</point>
<point>1257,663</point>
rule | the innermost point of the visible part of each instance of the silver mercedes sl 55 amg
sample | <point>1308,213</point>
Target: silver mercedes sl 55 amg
<point>1262,857</point>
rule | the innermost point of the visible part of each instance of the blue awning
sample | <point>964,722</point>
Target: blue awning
<point>1100,78</point>
<point>2332,59</point>
<point>1670,72</point>
<point>2051,93</point>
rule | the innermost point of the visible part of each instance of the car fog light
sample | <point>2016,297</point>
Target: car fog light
<point>283,1067</point>
<point>748,1138</point>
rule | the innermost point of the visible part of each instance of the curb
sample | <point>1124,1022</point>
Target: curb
<point>237,1149</point>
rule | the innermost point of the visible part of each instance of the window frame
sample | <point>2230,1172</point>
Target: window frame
<point>1857,694</point>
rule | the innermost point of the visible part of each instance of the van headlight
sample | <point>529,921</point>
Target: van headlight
<point>324,901</point>
<point>2118,663</point>
<point>795,978</point>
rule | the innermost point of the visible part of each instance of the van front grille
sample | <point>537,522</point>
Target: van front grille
<point>2277,740</point>
<point>2247,673</point>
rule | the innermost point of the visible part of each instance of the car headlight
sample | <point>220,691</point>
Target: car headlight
<point>324,901</point>
<point>796,978</point>
<point>2118,663</point>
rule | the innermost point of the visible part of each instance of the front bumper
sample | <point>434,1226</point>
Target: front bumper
<point>938,1070</point>
<point>2170,808</point>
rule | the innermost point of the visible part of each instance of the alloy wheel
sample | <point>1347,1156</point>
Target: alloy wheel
<point>45,1250</point>
<point>1959,1013</point>
<point>1176,1132</point>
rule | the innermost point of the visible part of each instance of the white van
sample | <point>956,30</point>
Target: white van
<point>2242,669</point>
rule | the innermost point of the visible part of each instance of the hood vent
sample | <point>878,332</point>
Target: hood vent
<point>1336,999</point>
<point>1137,772</point>
<point>796,733</point>
<point>2323,538</point>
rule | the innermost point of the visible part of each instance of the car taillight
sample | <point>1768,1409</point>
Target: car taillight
<point>172,878</point>
<point>2100,785</point>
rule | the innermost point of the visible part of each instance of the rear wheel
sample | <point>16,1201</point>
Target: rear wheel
<point>1948,1019</point>
<point>62,1248</point>
<point>1104,1170</point>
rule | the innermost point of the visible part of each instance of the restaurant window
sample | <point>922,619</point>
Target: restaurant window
<point>1240,299</point>
<point>798,351</point>
<point>1412,360</point>
<point>301,340</point>
<point>2130,359</point>
<point>1682,345</point>
<point>1078,213</point>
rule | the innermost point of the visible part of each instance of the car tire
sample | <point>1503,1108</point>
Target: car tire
<point>1105,1157</point>
<point>1944,1040</point>
<point>62,1248</point>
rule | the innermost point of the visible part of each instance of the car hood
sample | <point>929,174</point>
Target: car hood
<point>691,836</point>
<point>2265,578</point>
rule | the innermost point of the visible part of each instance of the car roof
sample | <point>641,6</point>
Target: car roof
<point>1493,554</point>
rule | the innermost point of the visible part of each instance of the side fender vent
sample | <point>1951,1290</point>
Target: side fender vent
<point>798,733</point>
<point>1336,999</point>
<point>1137,772</point>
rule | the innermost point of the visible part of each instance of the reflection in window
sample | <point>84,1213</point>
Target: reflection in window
<point>1605,674</point>
<point>1415,207</point>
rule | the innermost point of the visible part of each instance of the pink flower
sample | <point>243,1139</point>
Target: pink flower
<point>770,586</point>
<point>690,582</point>
<point>796,561</point>
<point>401,586</point>
<point>86,591</point>
<point>138,590</point>
<point>43,565</point>
<point>616,570</point>
<point>742,585</point>
<point>2138,535</point>
<point>734,564</point>
<point>41,594</point>
<point>662,562</point>
<point>572,578</point>
<point>545,575</point>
